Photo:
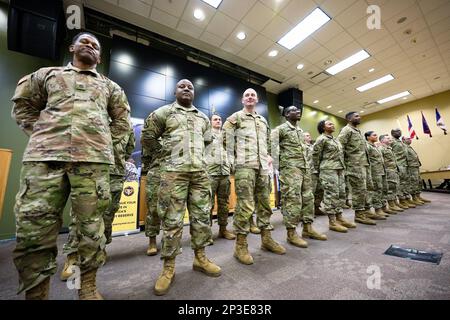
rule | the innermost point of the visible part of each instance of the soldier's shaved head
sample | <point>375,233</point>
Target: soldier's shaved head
<point>250,98</point>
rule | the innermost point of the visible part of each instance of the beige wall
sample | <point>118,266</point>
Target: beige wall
<point>434,152</point>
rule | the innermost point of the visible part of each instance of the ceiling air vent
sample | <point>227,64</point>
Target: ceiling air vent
<point>320,77</point>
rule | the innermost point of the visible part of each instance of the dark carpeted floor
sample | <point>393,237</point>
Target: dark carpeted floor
<point>335,269</point>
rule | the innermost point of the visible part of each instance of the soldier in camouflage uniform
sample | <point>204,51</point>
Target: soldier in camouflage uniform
<point>151,168</point>
<point>219,175</point>
<point>290,155</point>
<point>414,173</point>
<point>392,180</point>
<point>247,141</point>
<point>184,131</point>
<point>74,116</point>
<point>315,183</point>
<point>328,162</point>
<point>357,166</point>
<point>122,151</point>
<point>400,152</point>
<point>378,176</point>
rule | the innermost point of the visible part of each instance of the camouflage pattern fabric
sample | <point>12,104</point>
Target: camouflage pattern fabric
<point>414,164</point>
<point>178,189</point>
<point>116,188</point>
<point>44,190</point>
<point>400,152</point>
<point>152,221</point>
<point>220,186</point>
<point>216,156</point>
<point>392,177</point>
<point>333,183</point>
<point>377,172</point>
<point>71,115</point>
<point>252,191</point>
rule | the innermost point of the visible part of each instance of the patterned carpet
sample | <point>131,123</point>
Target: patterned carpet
<point>340,268</point>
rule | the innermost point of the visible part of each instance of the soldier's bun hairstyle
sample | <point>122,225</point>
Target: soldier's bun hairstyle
<point>321,126</point>
<point>74,39</point>
<point>349,115</point>
<point>368,134</point>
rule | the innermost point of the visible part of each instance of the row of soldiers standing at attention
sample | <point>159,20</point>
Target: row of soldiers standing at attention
<point>80,135</point>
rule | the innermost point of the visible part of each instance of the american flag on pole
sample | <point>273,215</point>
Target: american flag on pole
<point>412,132</point>
<point>426,128</point>
<point>440,122</point>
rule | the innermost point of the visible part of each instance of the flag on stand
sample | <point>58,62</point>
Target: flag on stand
<point>412,132</point>
<point>440,122</point>
<point>426,128</point>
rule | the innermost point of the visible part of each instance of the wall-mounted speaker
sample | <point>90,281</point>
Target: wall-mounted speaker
<point>36,28</point>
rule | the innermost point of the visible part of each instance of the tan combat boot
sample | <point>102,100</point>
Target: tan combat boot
<point>388,210</point>
<point>267,243</point>
<point>88,289</point>
<point>39,292</point>
<point>67,270</point>
<point>334,225</point>
<point>253,228</point>
<point>318,212</point>
<point>309,232</point>
<point>402,204</point>
<point>394,206</point>
<point>203,264</point>
<point>374,216</point>
<point>417,201</point>
<point>224,233</point>
<point>340,219</point>
<point>409,203</point>
<point>380,212</point>
<point>360,217</point>
<point>423,199</point>
<point>348,204</point>
<point>166,277</point>
<point>294,239</point>
<point>152,249</point>
<point>241,250</point>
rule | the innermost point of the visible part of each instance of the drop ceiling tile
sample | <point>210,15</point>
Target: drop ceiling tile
<point>334,8</point>
<point>358,29</point>
<point>249,32</point>
<point>277,28</point>
<point>307,46</point>
<point>318,55</point>
<point>442,12</point>
<point>276,5</point>
<point>339,41</point>
<point>221,25</point>
<point>297,10</point>
<point>352,14</point>
<point>189,29</point>
<point>174,8</point>
<point>164,18</point>
<point>327,32</point>
<point>440,27</point>
<point>430,5</point>
<point>348,50</point>
<point>258,17</point>
<point>136,6</point>
<point>411,14</point>
<point>236,9</point>
<point>212,39</point>
<point>259,44</point>
<point>231,47</point>
<point>248,54</point>
<point>289,59</point>
<point>188,14</point>
<point>391,8</point>
<point>414,27</point>
<point>381,45</point>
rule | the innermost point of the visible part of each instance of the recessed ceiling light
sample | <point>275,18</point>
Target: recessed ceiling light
<point>340,111</point>
<point>316,101</point>
<point>404,98</point>
<point>362,111</point>
<point>371,69</point>
<point>347,63</point>
<point>375,83</point>
<point>313,113</point>
<point>273,53</point>
<point>199,14</point>
<point>213,3</point>
<point>304,29</point>
<point>300,66</point>
<point>395,96</point>
<point>329,107</point>
<point>241,35</point>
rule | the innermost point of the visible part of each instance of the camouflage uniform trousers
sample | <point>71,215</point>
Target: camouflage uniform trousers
<point>333,183</point>
<point>152,221</point>
<point>392,181</point>
<point>317,190</point>
<point>220,185</point>
<point>415,186</point>
<point>252,192</point>
<point>116,188</point>
<point>297,199</point>
<point>403,188</point>
<point>44,190</point>
<point>176,190</point>
<point>357,178</point>
<point>376,194</point>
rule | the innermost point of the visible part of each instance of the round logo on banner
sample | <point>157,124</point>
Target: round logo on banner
<point>128,191</point>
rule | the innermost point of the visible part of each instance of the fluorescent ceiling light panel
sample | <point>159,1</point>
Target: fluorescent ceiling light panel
<point>375,83</point>
<point>304,29</point>
<point>214,3</point>
<point>395,96</point>
<point>347,63</point>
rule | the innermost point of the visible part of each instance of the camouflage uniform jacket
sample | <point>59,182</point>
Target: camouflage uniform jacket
<point>122,152</point>
<point>184,133</point>
<point>293,151</point>
<point>327,153</point>
<point>246,138</point>
<point>412,157</point>
<point>400,152</point>
<point>376,160</point>
<point>216,156</point>
<point>354,147</point>
<point>390,163</point>
<point>71,115</point>
<point>309,156</point>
